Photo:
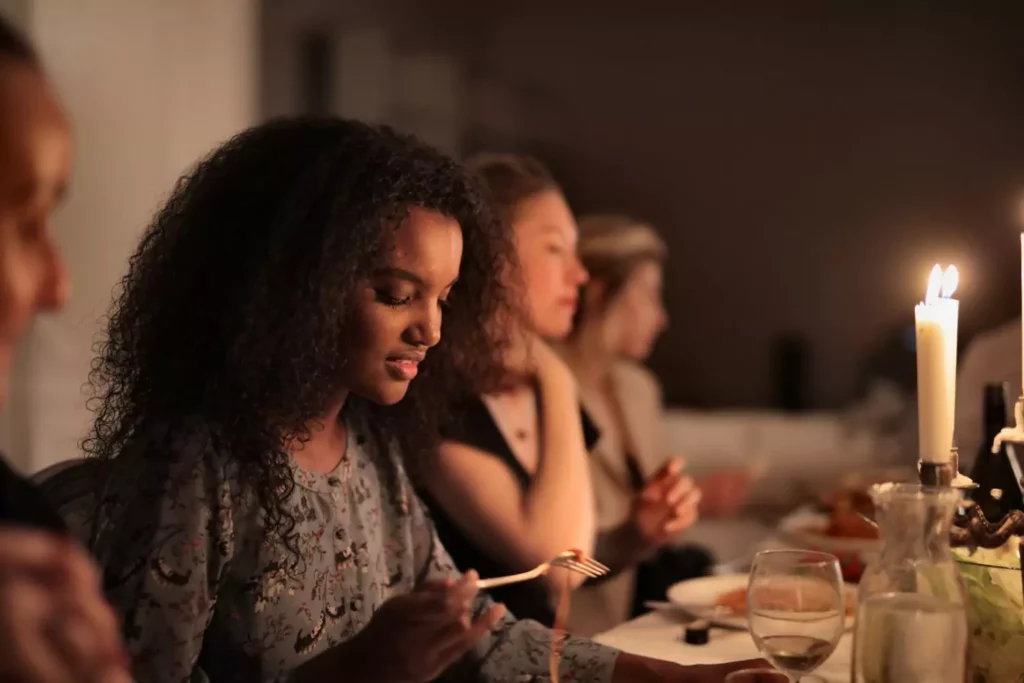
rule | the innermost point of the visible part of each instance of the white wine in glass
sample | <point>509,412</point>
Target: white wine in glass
<point>796,608</point>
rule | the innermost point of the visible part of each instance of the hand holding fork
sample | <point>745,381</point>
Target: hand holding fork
<point>570,559</point>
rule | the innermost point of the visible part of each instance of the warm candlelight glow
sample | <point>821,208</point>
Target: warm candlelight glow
<point>941,283</point>
<point>934,285</point>
<point>950,279</point>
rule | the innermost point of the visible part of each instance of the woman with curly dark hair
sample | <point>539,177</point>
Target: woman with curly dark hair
<point>257,522</point>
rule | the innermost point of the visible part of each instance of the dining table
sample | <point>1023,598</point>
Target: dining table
<point>659,634</point>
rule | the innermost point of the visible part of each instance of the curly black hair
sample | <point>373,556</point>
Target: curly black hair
<point>14,46</point>
<point>234,305</point>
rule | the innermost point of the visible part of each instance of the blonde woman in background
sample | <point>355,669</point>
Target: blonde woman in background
<point>620,316</point>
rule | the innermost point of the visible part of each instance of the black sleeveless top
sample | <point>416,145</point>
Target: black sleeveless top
<point>474,426</point>
<point>22,504</point>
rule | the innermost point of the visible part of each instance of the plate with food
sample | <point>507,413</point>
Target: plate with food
<point>722,600</point>
<point>839,524</point>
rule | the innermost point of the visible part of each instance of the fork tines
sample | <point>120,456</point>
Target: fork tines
<point>586,566</point>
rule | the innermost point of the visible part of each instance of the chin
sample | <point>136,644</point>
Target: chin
<point>386,393</point>
<point>640,352</point>
<point>555,330</point>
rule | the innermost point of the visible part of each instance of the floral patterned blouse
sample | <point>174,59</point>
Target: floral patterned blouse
<point>206,596</point>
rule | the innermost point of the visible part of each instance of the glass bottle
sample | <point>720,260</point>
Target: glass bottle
<point>911,612</point>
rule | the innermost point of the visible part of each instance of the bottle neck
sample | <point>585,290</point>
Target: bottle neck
<point>993,413</point>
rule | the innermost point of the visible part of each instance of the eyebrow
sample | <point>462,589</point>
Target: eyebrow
<point>557,231</point>
<point>407,275</point>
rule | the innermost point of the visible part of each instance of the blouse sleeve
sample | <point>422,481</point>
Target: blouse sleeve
<point>515,649</point>
<point>164,537</point>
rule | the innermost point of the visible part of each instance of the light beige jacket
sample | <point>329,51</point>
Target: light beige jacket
<point>596,609</point>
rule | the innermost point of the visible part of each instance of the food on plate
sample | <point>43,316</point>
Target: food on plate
<point>843,524</point>
<point>734,602</point>
<point>845,521</point>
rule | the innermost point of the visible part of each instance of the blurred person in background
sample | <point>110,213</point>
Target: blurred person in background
<point>620,316</point>
<point>512,487</point>
<point>992,357</point>
<point>55,626</point>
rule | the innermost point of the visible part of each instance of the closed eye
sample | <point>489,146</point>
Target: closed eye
<point>388,300</point>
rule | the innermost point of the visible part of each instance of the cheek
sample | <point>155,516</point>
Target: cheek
<point>543,280</point>
<point>375,330</point>
<point>19,283</point>
<point>636,322</point>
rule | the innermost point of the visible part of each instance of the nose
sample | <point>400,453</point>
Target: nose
<point>55,285</point>
<point>579,274</point>
<point>426,330</point>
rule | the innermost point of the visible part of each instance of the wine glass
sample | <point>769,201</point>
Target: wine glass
<point>757,676</point>
<point>796,608</point>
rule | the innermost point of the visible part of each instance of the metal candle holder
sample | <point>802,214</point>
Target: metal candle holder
<point>971,528</point>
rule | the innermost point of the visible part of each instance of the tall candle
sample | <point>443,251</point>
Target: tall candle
<point>936,323</point>
<point>1022,304</point>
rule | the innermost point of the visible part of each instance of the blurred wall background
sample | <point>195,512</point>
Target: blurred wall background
<point>150,86</point>
<point>807,164</point>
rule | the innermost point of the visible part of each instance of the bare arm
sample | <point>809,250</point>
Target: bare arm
<point>484,498</point>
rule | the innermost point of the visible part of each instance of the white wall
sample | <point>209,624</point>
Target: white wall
<point>151,85</point>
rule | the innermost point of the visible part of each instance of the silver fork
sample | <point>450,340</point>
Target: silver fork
<point>567,560</point>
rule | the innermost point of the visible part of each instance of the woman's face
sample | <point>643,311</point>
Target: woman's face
<point>545,235</point>
<point>35,164</point>
<point>638,312</point>
<point>397,316</point>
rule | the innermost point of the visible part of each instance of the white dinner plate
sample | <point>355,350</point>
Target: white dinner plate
<point>697,597</point>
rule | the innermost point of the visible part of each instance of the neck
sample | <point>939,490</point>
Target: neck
<point>327,438</point>
<point>332,416</point>
<point>590,356</point>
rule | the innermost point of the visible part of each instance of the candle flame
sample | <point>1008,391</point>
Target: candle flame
<point>950,279</point>
<point>941,283</point>
<point>934,285</point>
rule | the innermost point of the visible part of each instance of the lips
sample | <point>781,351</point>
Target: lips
<point>403,367</point>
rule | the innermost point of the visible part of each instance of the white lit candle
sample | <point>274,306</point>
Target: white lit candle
<point>936,323</point>
<point>1022,300</point>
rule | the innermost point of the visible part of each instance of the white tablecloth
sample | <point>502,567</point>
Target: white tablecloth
<point>659,636</point>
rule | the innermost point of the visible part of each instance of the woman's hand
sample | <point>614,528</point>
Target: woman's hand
<point>636,669</point>
<point>667,505</point>
<point>413,637</point>
<point>534,358</point>
<point>55,626</point>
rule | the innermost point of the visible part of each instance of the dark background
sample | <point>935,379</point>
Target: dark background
<point>807,164</point>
